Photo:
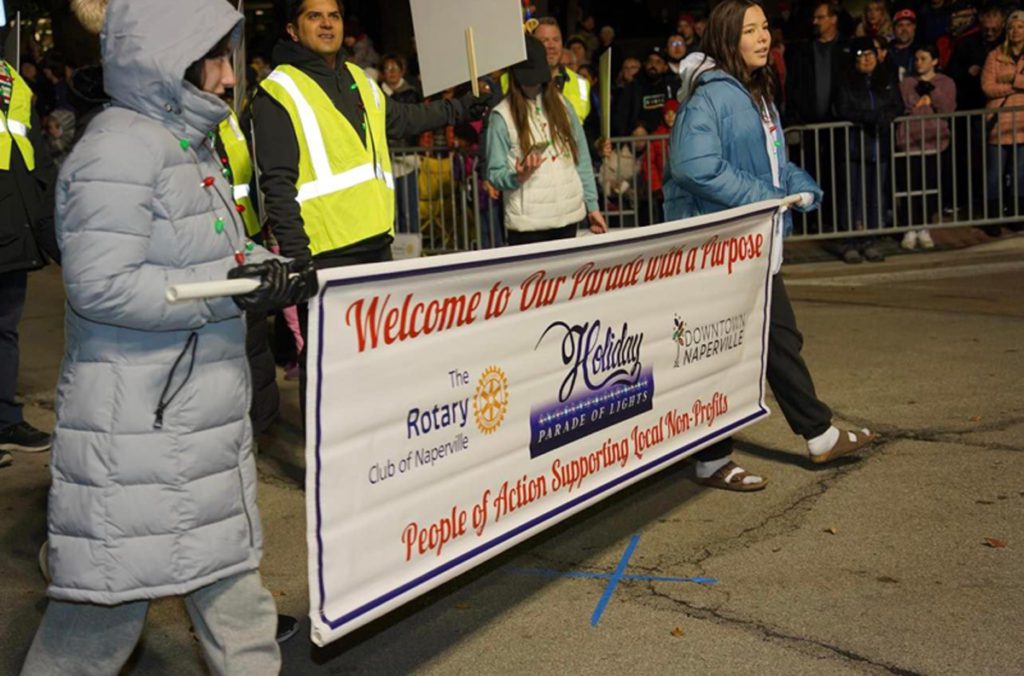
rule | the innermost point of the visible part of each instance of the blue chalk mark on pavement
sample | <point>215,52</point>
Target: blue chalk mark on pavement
<point>613,578</point>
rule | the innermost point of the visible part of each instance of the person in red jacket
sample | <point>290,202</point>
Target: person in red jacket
<point>652,164</point>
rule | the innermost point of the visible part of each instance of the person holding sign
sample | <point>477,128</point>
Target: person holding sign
<point>154,480</point>
<point>321,135</point>
<point>537,156</point>
<point>727,150</point>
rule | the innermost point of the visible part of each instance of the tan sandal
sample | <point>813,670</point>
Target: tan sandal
<point>729,477</point>
<point>848,442</point>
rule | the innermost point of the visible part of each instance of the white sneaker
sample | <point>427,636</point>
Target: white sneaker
<point>924,238</point>
<point>910,240</point>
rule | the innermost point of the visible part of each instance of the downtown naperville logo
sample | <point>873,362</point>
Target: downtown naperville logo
<point>698,342</point>
<point>605,382</point>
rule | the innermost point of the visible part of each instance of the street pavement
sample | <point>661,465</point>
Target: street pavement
<point>906,559</point>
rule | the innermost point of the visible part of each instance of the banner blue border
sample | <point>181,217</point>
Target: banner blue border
<point>494,542</point>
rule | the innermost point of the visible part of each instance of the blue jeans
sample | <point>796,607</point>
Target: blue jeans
<point>407,202</point>
<point>12,301</point>
<point>999,164</point>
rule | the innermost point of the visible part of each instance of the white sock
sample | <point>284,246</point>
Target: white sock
<point>706,469</point>
<point>823,443</point>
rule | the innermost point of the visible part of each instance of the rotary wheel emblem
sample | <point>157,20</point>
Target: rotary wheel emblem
<point>490,402</point>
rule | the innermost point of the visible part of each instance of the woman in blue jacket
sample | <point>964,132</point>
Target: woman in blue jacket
<point>727,150</point>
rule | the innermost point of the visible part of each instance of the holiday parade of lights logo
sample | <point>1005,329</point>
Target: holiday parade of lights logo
<point>490,401</point>
<point>605,383</point>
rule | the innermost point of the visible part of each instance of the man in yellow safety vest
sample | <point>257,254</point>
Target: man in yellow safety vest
<point>321,137</point>
<point>321,128</point>
<point>26,233</point>
<point>574,88</point>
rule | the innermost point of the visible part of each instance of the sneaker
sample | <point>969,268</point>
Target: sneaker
<point>925,238</point>
<point>872,254</point>
<point>851,255</point>
<point>23,437</point>
<point>909,240</point>
<point>6,459</point>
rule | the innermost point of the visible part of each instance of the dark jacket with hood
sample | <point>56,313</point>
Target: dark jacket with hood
<point>871,102</point>
<point>641,102</point>
<point>277,151</point>
<point>26,208</point>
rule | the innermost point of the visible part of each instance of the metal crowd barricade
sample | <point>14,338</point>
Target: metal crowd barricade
<point>936,170</point>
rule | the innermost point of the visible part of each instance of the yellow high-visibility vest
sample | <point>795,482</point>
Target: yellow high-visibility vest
<point>576,91</point>
<point>240,164</point>
<point>346,191</point>
<point>15,124</point>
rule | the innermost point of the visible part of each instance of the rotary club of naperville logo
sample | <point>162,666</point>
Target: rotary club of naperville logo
<point>490,402</point>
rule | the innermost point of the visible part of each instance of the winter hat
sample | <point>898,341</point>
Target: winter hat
<point>672,105</point>
<point>1015,16</point>
<point>535,69</point>
<point>66,119</point>
<point>90,14</point>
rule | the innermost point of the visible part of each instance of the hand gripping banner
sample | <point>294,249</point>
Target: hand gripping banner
<point>458,405</point>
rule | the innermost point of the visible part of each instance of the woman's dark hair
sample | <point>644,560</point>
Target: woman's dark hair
<point>930,48</point>
<point>558,118</point>
<point>721,42</point>
<point>194,73</point>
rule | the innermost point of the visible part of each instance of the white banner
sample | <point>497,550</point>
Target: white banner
<point>458,405</point>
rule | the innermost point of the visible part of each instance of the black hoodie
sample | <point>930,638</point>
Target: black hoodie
<point>277,151</point>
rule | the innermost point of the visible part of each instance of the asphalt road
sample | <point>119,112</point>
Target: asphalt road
<point>875,564</point>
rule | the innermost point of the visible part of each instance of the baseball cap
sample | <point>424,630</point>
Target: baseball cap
<point>905,15</point>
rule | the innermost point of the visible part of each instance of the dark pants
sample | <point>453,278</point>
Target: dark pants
<point>266,399</point>
<point>375,256</point>
<point>12,301</point>
<point>531,236</point>
<point>787,375</point>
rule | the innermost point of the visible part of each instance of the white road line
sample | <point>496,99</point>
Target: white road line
<point>911,275</point>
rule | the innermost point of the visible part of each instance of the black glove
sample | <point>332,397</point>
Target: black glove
<point>924,88</point>
<point>476,107</point>
<point>302,282</point>
<point>273,291</point>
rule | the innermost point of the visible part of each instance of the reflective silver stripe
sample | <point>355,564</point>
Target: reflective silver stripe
<point>14,127</point>
<point>584,89</point>
<point>376,92</point>
<point>310,126</point>
<point>326,182</point>
<point>343,181</point>
<point>240,191</point>
<point>233,123</point>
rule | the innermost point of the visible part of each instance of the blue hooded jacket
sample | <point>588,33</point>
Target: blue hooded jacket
<point>718,157</point>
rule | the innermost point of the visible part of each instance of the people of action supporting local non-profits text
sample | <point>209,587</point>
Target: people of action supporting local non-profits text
<point>153,480</point>
<point>727,150</point>
<point>537,156</point>
<point>322,128</point>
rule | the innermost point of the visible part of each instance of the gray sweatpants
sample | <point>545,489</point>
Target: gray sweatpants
<point>235,620</point>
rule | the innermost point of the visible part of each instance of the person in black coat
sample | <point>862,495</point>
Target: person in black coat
<point>27,242</point>
<point>870,98</point>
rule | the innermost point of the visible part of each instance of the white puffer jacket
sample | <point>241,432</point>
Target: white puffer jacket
<point>553,196</point>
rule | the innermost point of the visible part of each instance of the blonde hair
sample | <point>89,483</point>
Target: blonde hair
<point>90,14</point>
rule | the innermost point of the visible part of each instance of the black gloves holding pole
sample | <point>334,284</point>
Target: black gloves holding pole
<point>281,284</point>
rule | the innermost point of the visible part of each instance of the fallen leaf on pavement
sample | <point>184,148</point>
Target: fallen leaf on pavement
<point>996,544</point>
<point>462,605</point>
<point>975,418</point>
<point>831,531</point>
<point>677,632</point>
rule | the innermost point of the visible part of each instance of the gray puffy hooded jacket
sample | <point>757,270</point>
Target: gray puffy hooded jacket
<point>145,503</point>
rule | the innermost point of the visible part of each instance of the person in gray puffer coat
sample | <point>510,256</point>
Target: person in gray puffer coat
<point>154,482</point>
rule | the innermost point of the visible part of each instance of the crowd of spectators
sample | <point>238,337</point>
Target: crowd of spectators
<point>830,67</point>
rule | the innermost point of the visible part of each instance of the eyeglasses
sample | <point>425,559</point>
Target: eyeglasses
<point>676,43</point>
<point>865,52</point>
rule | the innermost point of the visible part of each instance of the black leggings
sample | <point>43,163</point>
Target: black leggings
<point>787,375</point>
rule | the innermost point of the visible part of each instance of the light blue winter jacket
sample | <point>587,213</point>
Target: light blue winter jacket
<point>138,510</point>
<point>718,157</point>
